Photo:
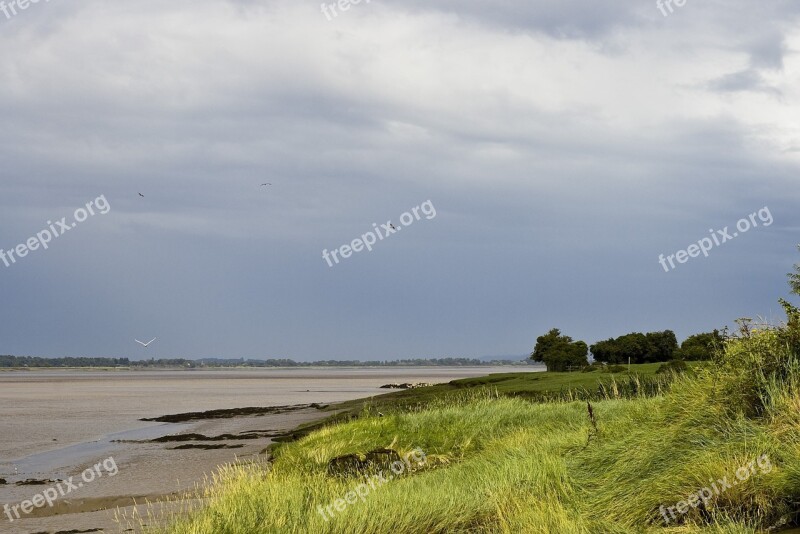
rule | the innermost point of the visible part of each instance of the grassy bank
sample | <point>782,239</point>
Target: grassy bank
<point>535,386</point>
<point>634,381</point>
<point>497,462</point>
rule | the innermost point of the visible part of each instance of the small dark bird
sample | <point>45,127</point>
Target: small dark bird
<point>262,185</point>
<point>141,195</point>
<point>393,227</point>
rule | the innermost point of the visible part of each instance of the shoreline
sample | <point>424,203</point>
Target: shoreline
<point>168,432</point>
<point>49,410</point>
<point>189,452</point>
<point>268,368</point>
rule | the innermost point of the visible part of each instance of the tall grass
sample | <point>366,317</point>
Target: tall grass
<point>506,465</point>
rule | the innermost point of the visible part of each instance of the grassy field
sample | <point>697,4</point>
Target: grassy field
<point>628,461</point>
<point>528,385</point>
<point>534,386</point>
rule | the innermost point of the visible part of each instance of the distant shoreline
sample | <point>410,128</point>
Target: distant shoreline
<point>11,361</point>
<point>256,368</point>
<point>245,368</point>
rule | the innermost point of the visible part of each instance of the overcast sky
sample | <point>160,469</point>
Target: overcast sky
<point>564,145</point>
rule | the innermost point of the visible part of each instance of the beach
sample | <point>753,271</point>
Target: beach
<point>58,423</point>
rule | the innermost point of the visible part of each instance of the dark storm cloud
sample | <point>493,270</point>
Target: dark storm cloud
<point>557,140</point>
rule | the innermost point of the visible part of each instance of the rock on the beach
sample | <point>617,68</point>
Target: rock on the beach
<point>406,385</point>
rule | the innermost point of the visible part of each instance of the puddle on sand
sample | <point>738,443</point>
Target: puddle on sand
<point>56,463</point>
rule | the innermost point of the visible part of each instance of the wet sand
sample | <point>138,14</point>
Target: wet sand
<point>58,423</point>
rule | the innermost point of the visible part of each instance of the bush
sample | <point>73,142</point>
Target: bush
<point>758,368</point>
<point>700,346</point>
<point>672,366</point>
<point>595,366</point>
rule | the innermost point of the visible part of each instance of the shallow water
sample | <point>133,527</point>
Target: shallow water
<point>57,463</point>
<point>53,410</point>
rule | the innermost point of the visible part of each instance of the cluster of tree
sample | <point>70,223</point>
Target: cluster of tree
<point>637,348</point>
<point>700,346</point>
<point>561,353</point>
<point>27,361</point>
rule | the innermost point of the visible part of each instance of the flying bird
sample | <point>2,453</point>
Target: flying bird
<point>393,227</point>
<point>144,344</point>
<point>141,195</point>
<point>262,185</point>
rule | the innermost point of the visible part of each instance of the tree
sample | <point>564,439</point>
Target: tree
<point>558,352</point>
<point>633,347</point>
<point>606,351</point>
<point>661,346</point>
<point>637,347</point>
<point>700,346</point>
<point>794,278</point>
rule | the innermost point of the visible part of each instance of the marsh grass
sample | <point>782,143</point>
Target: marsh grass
<point>508,465</point>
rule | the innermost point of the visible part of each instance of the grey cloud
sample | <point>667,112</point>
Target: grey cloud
<point>549,214</point>
<point>769,51</point>
<point>573,19</point>
<point>746,80</point>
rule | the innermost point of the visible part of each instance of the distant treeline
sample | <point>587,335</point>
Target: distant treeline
<point>29,361</point>
<point>656,347</point>
<point>560,353</point>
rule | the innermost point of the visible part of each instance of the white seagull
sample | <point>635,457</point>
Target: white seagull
<point>144,344</point>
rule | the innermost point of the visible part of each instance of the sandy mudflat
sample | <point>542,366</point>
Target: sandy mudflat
<point>147,472</point>
<point>55,424</point>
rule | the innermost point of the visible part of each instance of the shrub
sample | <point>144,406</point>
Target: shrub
<point>757,368</point>
<point>672,366</point>
<point>700,346</point>
<point>595,366</point>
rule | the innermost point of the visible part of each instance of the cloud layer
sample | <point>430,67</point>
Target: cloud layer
<point>565,146</point>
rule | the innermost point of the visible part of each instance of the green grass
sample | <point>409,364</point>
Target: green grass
<point>530,385</point>
<point>536,386</point>
<point>499,463</point>
<point>523,384</point>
